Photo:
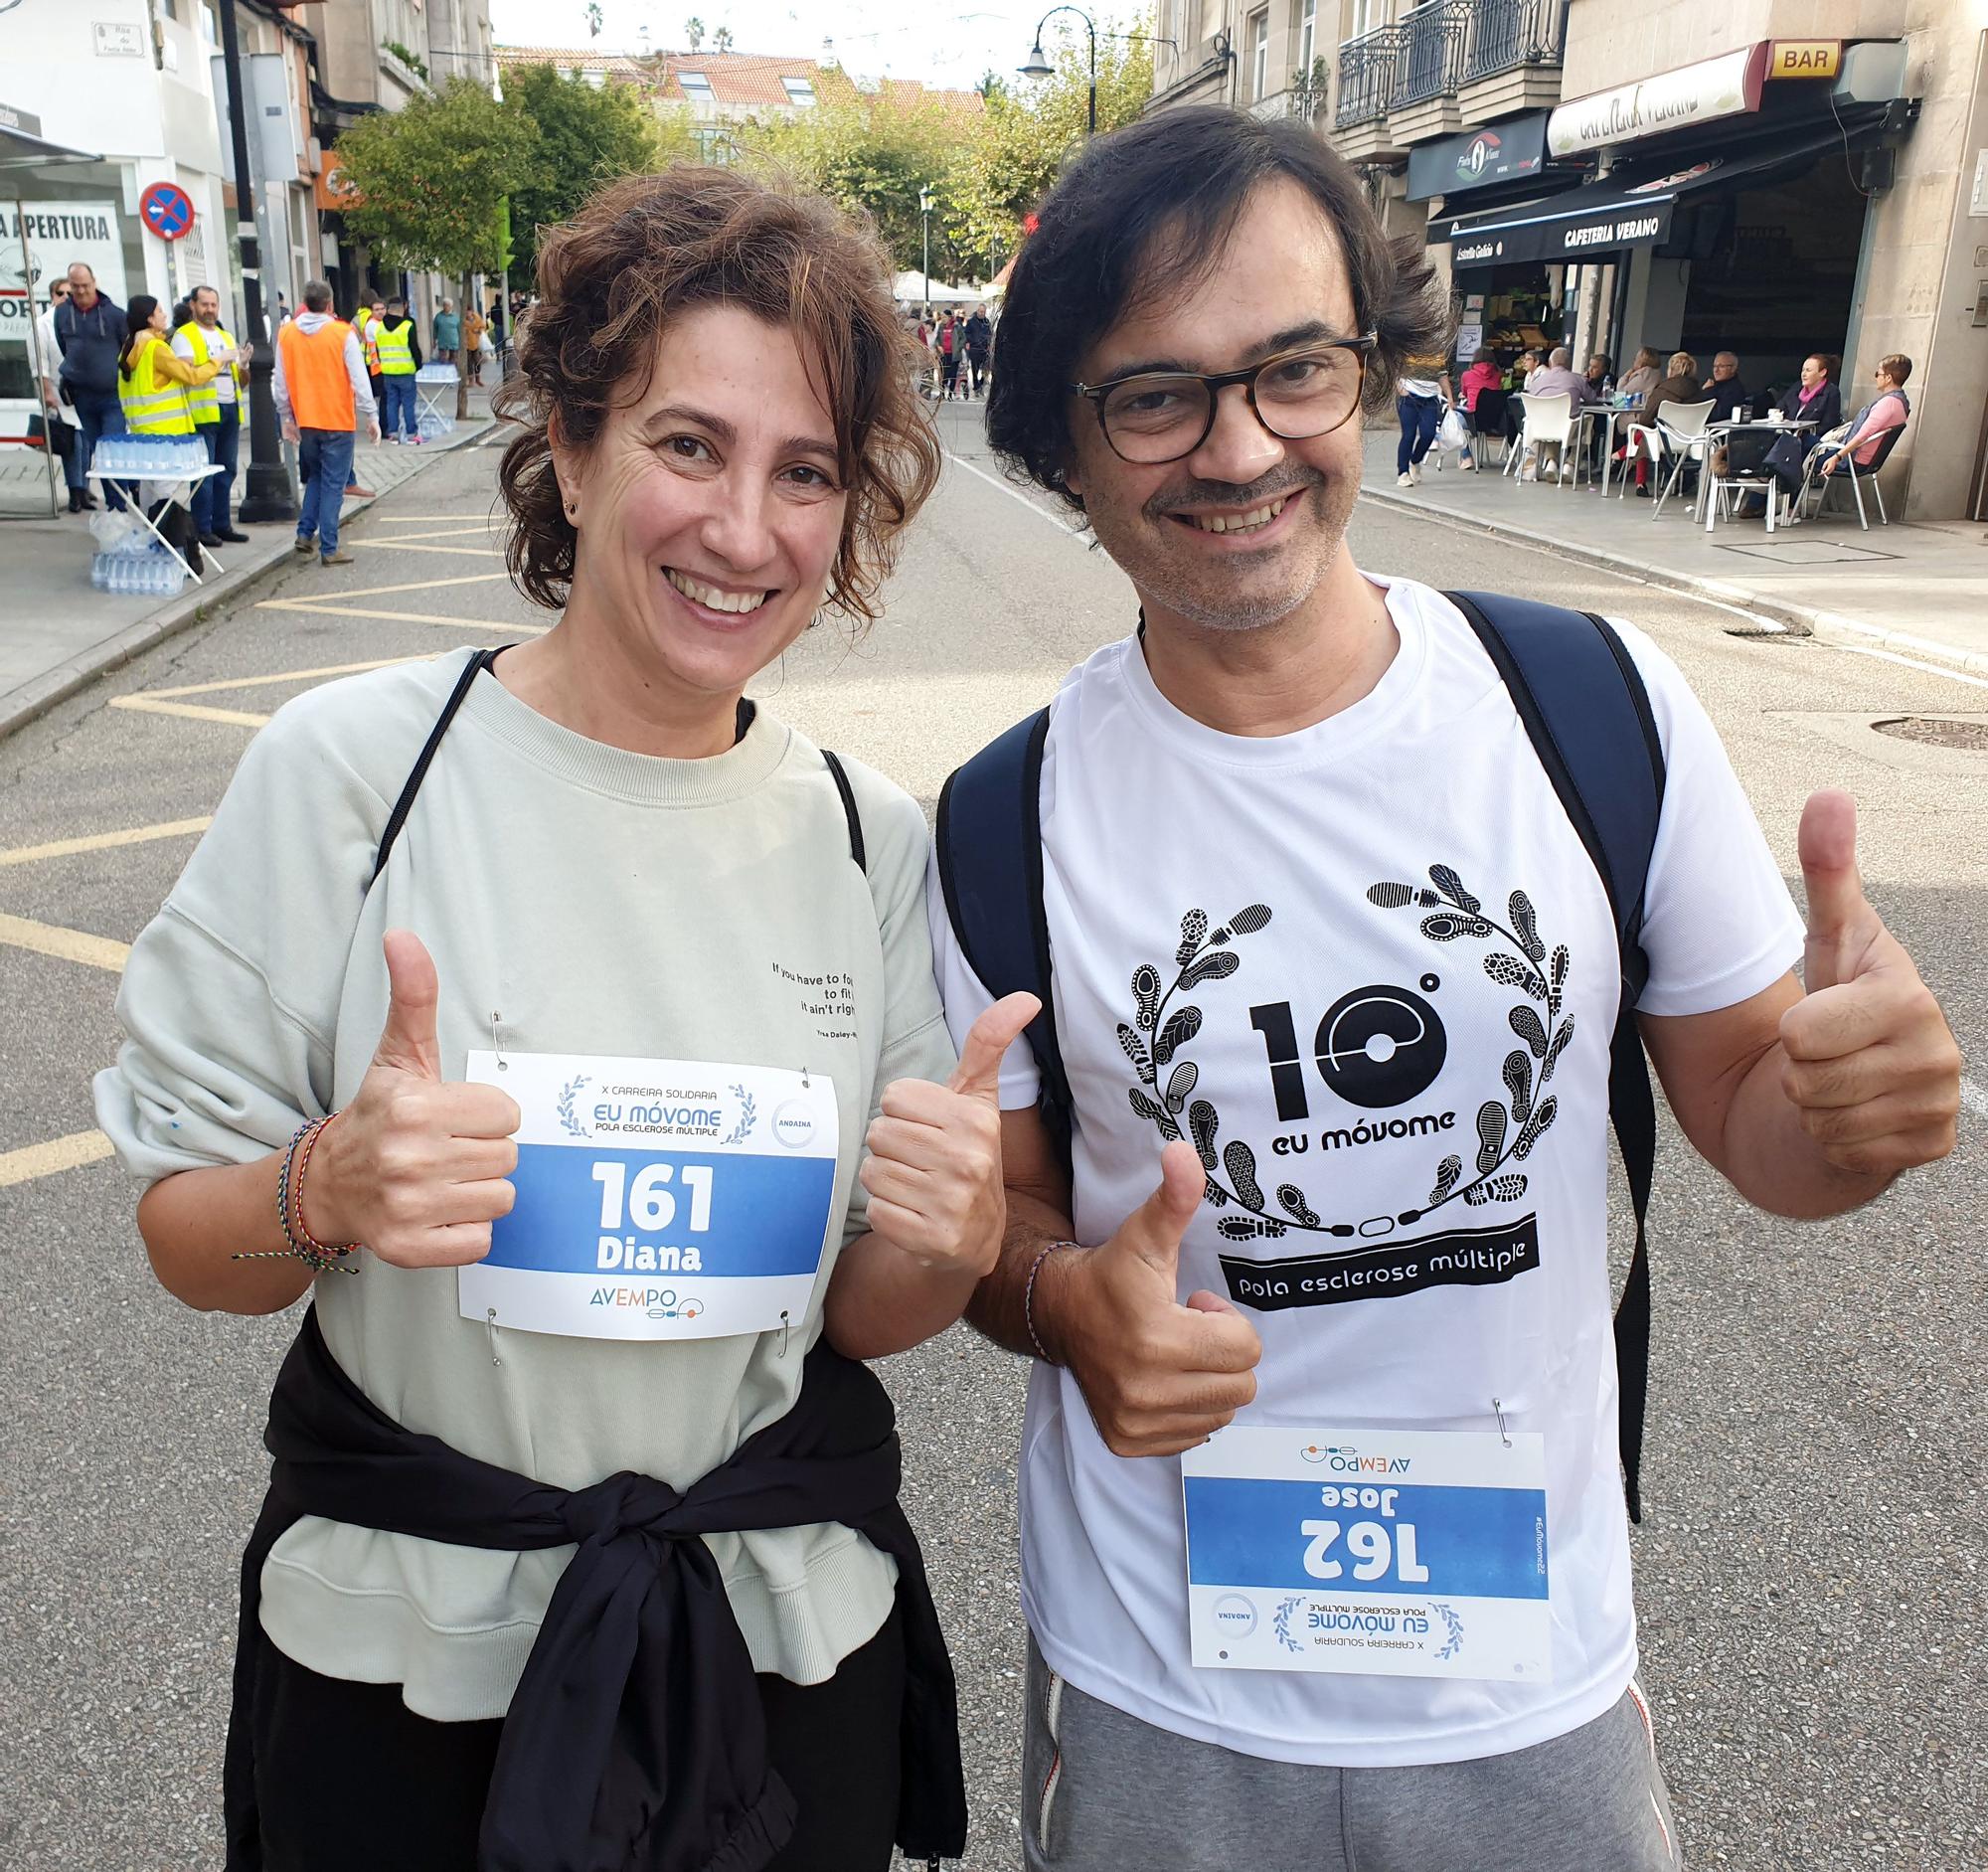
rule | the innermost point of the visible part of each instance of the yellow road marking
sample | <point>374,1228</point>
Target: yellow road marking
<point>284,676</point>
<point>405,618</point>
<point>381,591</point>
<point>59,1153</point>
<point>101,841</point>
<point>68,945</point>
<point>407,546</point>
<point>192,711</point>
<point>437,533</point>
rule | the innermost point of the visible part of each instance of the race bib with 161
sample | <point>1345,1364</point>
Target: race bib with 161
<point>657,1199</point>
<point>1392,1553</point>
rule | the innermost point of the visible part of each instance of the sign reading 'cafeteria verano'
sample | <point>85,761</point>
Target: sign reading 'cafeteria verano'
<point>1724,86</point>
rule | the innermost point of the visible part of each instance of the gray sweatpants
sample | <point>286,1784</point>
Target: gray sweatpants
<point>1102,1791</point>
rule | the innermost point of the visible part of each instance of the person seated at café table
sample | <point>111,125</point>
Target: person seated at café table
<point>1599,367</point>
<point>1481,374</point>
<point>1813,398</point>
<point>1524,367</point>
<point>1558,378</point>
<point>1729,398</point>
<point>1888,409</point>
<point>1680,385</point>
<point>1642,377</point>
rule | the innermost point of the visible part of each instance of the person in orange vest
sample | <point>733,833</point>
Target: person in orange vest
<point>321,394</point>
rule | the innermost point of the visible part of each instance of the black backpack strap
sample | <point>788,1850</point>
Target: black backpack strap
<point>1585,707</point>
<point>395,819</point>
<point>837,774</point>
<point>990,867</point>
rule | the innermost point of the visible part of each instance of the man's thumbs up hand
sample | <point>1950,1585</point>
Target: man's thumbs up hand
<point>1871,1066</point>
<point>413,1169</point>
<point>1159,1377</point>
<point>933,1172</point>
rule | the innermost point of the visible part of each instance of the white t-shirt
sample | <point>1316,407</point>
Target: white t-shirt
<point>1309,885</point>
<point>1420,387</point>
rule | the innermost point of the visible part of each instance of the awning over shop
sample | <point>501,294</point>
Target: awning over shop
<point>1619,212</point>
<point>20,150</point>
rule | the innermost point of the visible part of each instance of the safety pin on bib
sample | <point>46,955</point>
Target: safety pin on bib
<point>1503,1436</point>
<point>497,1044</point>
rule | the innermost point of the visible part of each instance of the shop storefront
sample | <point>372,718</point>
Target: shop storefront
<point>1732,217</point>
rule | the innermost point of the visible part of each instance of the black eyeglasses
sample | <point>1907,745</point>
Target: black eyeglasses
<point>1162,415</point>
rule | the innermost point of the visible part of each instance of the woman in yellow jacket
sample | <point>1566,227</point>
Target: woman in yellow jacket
<point>152,385</point>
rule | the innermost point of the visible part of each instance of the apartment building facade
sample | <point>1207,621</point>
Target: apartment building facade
<point>1770,177</point>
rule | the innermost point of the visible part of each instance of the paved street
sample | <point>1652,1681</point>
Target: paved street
<point>1809,1567</point>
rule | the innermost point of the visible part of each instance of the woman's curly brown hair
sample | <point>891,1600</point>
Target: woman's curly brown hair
<point>650,247</point>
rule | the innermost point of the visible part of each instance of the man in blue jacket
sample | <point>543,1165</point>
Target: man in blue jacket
<point>90,330</point>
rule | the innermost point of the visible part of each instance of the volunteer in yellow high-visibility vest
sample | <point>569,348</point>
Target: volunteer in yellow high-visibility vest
<point>400,349</point>
<point>152,388</point>
<point>217,411</point>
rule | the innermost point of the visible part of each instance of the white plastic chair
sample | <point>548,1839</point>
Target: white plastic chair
<point>1680,431</point>
<point>1546,421</point>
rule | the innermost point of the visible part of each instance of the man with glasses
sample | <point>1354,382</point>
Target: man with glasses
<point>1332,976</point>
<point>64,427</point>
<point>89,330</point>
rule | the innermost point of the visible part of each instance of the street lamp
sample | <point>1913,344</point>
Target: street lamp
<point>1039,66</point>
<point>268,496</point>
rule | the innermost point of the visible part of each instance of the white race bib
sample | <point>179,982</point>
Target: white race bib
<point>1391,1553</point>
<point>657,1199</point>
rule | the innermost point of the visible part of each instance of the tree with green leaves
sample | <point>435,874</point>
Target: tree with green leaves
<point>428,181</point>
<point>694,33</point>
<point>584,138</point>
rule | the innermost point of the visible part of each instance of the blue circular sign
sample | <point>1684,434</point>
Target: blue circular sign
<point>167,209</point>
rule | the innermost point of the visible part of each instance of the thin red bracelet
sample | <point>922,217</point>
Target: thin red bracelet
<point>294,1192</point>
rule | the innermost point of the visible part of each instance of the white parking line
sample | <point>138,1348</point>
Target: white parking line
<point>1912,662</point>
<point>1014,493</point>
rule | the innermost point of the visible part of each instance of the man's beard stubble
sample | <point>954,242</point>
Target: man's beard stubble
<point>1203,594</point>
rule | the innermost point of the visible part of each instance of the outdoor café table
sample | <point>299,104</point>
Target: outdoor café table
<point>429,382</point>
<point>1718,433</point>
<point>181,483</point>
<point>1607,415</point>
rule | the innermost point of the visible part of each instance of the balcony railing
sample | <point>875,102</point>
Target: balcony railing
<point>1432,62</point>
<point>1366,70</point>
<point>1508,33</point>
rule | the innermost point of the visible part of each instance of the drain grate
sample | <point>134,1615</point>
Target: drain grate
<point>1937,732</point>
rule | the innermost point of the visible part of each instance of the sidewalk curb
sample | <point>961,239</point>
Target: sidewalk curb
<point>39,694</point>
<point>1829,626</point>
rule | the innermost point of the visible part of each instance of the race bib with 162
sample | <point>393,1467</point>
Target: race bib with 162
<point>1394,1553</point>
<point>657,1199</point>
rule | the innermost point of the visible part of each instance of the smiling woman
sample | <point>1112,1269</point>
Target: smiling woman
<point>589,1566</point>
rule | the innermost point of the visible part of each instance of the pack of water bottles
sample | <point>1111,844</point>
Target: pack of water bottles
<point>433,423</point>
<point>155,457</point>
<point>138,567</point>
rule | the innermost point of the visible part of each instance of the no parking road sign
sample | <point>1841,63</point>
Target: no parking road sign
<point>167,209</point>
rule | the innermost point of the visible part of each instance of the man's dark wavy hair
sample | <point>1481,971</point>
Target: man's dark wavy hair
<point>1146,210</point>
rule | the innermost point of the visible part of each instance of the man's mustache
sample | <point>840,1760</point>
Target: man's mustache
<point>1192,497</point>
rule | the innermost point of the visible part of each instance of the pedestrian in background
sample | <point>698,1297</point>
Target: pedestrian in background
<point>447,333</point>
<point>64,431</point>
<point>217,412</point>
<point>321,396</point>
<point>89,330</point>
<point>474,327</point>
<point>979,343</point>
<point>399,352</point>
<point>1424,390</point>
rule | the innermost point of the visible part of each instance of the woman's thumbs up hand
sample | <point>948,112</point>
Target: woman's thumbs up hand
<point>933,1172</point>
<point>413,1169</point>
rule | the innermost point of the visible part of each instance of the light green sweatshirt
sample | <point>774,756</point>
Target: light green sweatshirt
<point>576,899</point>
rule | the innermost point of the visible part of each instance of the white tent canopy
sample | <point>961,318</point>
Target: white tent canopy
<point>910,289</point>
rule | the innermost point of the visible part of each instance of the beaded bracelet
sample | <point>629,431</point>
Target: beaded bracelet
<point>319,1257</point>
<point>1029,1299</point>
